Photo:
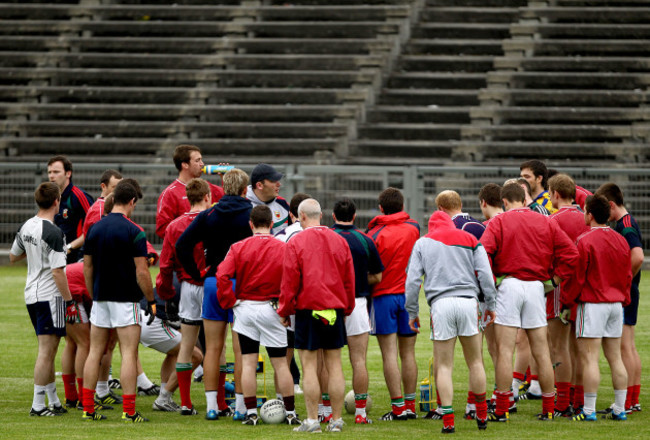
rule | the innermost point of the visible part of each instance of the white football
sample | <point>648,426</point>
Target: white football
<point>273,412</point>
<point>350,405</point>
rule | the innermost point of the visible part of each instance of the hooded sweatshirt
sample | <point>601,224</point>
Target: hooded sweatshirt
<point>217,228</point>
<point>454,264</point>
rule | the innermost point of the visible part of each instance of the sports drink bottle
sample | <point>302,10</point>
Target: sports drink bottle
<point>217,169</point>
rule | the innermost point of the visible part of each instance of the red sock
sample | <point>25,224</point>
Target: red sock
<point>438,399</point>
<point>221,391</point>
<point>548,402</point>
<point>579,398</point>
<point>250,402</point>
<point>532,377</point>
<point>289,402</point>
<point>89,400</point>
<point>397,404</point>
<point>628,397</point>
<point>184,384</point>
<point>635,396</point>
<point>410,404</point>
<point>503,401</point>
<point>471,398</point>
<point>528,374</point>
<point>519,376</point>
<point>448,420</point>
<point>563,395</point>
<point>360,403</point>
<point>80,387</point>
<point>572,396</point>
<point>327,402</point>
<point>481,406</point>
<point>128,403</point>
<point>69,387</point>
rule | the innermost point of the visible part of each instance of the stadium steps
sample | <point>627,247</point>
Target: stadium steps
<point>428,95</point>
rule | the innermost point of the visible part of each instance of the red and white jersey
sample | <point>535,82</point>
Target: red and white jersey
<point>604,271</point>
<point>173,203</point>
<point>256,264</point>
<point>571,220</point>
<point>169,263</point>
<point>94,214</point>
<point>526,245</point>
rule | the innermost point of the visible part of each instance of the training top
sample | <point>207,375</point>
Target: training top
<point>43,243</point>
<point>169,262</point>
<point>77,282</point>
<point>113,243</point>
<point>604,272</point>
<point>216,228</point>
<point>453,263</point>
<point>173,203</point>
<point>94,214</point>
<point>288,232</point>
<point>571,219</point>
<point>467,223</point>
<point>629,229</point>
<point>75,203</point>
<point>318,273</point>
<point>581,196</point>
<point>256,264</point>
<point>394,235</point>
<point>279,210</point>
<point>365,257</point>
<point>526,245</point>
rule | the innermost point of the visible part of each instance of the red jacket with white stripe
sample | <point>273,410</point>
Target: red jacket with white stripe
<point>94,214</point>
<point>256,264</point>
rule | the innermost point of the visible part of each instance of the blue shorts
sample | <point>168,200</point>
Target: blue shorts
<point>48,317</point>
<point>312,334</point>
<point>388,315</point>
<point>631,311</point>
<point>211,308</point>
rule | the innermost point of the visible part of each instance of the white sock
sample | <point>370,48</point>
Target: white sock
<point>360,412</point>
<point>311,421</point>
<point>211,400</point>
<point>320,409</point>
<point>251,411</point>
<point>198,372</point>
<point>39,397</point>
<point>278,396</point>
<point>102,388</point>
<point>240,406</point>
<point>164,394</point>
<point>516,383</point>
<point>619,401</point>
<point>144,382</point>
<point>162,385</point>
<point>50,389</point>
<point>327,410</point>
<point>535,388</point>
<point>590,403</point>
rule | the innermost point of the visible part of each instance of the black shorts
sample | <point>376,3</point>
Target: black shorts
<point>631,311</point>
<point>48,317</point>
<point>251,346</point>
<point>312,334</point>
<point>291,338</point>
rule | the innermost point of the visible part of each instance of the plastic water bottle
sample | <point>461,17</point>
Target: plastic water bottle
<point>217,169</point>
<point>425,395</point>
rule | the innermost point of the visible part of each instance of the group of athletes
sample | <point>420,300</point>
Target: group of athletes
<point>543,278</point>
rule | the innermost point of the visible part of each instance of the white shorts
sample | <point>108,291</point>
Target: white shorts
<point>260,322</point>
<point>158,335</point>
<point>599,320</point>
<point>521,304</point>
<point>482,317</point>
<point>359,320</point>
<point>83,314</point>
<point>111,314</point>
<point>191,304</point>
<point>454,316</point>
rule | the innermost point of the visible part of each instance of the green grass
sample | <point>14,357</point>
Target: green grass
<point>16,387</point>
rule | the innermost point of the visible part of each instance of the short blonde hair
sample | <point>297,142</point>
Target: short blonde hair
<point>449,200</point>
<point>564,185</point>
<point>235,182</point>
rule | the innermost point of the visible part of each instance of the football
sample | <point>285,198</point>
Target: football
<point>350,406</point>
<point>273,412</point>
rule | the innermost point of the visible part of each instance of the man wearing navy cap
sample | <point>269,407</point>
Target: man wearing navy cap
<point>265,189</point>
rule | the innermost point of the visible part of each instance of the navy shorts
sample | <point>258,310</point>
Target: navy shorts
<point>48,317</point>
<point>211,308</point>
<point>631,311</point>
<point>312,334</point>
<point>388,315</point>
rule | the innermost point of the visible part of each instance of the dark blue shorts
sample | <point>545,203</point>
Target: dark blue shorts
<point>48,317</point>
<point>312,334</point>
<point>631,311</point>
<point>211,308</point>
<point>388,315</point>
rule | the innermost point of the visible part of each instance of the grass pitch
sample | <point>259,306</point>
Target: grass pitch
<point>16,388</point>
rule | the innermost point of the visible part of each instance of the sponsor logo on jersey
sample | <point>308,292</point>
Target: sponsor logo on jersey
<point>277,214</point>
<point>65,213</point>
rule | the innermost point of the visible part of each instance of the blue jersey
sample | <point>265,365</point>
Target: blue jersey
<point>75,203</point>
<point>113,243</point>
<point>629,229</point>
<point>365,257</point>
<point>467,223</point>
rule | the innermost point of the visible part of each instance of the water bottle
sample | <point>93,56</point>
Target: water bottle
<point>425,395</point>
<point>217,169</point>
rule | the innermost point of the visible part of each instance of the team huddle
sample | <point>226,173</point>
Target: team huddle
<point>240,256</point>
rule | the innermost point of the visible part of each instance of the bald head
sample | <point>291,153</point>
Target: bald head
<point>309,213</point>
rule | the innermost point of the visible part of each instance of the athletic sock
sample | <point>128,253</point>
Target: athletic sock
<point>517,381</point>
<point>164,394</point>
<point>221,388</point>
<point>563,395</point>
<point>620,400</point>
<point>102,388</point>
<point>184,375</point>
<point>471,398</point>
<point>144,382</point>
<point>88,400</point>
<point>360,401</point>
<point>579,398</point>
<point>635,396</point>
<point>251,404</point>
<point>590,403</point>
<point>211,400</point>
<point>481,406</point>
<point>409,401</point>
<point>572,395</point>
<point>327,404</point>
<point>278,396</point>
<point>69,387</point>
<point>80,387</point>
<point>289,403</point>
<point>240,406</point>
<point>39,398</point>
<point>548,402</point>
<point>448,417</point>
<point>397,404</point>
<point>50,389</point>
<point>503,402</point>
<point>534,387</point>
<point>628,398</point>
<point>128,403</point>
<point>438,403</point>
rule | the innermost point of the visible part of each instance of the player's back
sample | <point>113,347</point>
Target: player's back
<point>571,220</point>
<point>467,223</point>
<point>259,266</point>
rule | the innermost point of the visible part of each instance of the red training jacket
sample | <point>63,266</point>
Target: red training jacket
<point>94,214</point>
<point>581,196</point>
<point>77,282</point>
